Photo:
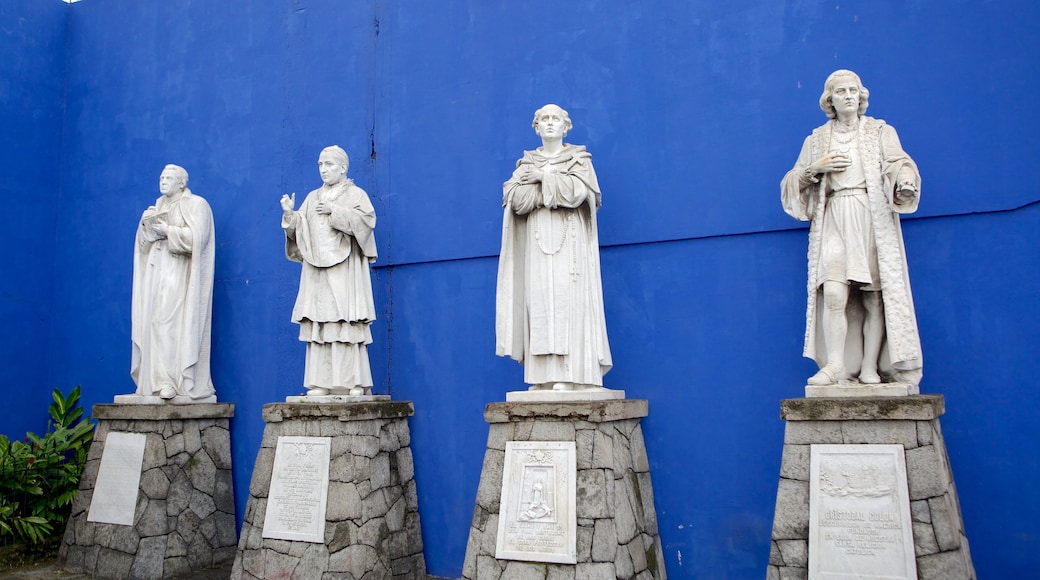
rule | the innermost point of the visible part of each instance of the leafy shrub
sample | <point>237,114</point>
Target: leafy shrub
<point>39,476</point>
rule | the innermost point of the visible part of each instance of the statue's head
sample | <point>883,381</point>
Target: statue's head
<point>333,164</point>
<point>550,120</point>
<point>842,77</point>
<point>173,179</point>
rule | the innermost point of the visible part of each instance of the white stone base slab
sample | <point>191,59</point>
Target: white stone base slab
<point>548,396</point>
<point>336,398</point>
<point>153,400</point>
<point>118,479</point>
<point>299,490</point>
<point>538,521</point>
<point>859,513</point>
<point>853,389</point>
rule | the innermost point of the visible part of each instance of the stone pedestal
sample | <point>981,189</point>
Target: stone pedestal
<point>372,516</point>
<point>940,545</point>
<point>184,520</point>
<point>617,534</point>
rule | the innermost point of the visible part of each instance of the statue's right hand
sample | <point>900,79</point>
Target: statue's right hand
<point>288,202</point>
<point>832,162</point>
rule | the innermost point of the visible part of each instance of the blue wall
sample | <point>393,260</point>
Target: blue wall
<point>693,111</point>
<point>32,75</point>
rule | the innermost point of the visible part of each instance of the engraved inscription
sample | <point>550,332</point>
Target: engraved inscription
<point>118,480</point>
<point>299,490</point>
<point>859,516</point>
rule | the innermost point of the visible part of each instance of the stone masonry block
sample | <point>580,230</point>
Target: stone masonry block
<point>646,493</point>
<point>623,452</point>
<point>926,475</point>
<point>498,434</point>
<point>604,541</point>
<point>380,470</point>
<point>945,523</point>
<point>262,468</point>
<point>174,444</point>
<point>624,515</point>
<point>594,571</point>
<point>880,432</point>
<point>623,564</point>
<point>490,538</point>
<point>591,494</point>
<point>640,461</point>
<point>405,464</point>
<point>602,450</point>
<point>791,518</point>
<point>154,452</point>
<point>552,431</point>
<point>920,512</point>
<point>944,566</point>
<point>794,463</point>
<point>807,432</point>
<point>341,467</point>
<point>192,437</point>
<point>488,568</point>
<point>216,441</point>
<point>924,539</point>
<point>792,573</point>
<point>489,492</point>
<point>561,573</point>
<point>516,570</point>
<point>202,472</point>
<point>583,446</point>
<point>926,432</point>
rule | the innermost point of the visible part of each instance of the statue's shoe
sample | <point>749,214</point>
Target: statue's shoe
<point>830,374</point>
<point>317,392</point>
<point>869,378</point>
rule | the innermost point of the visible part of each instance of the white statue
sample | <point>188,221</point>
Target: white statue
<point>173,294</point>
<point>852,180</point>
<point>332,236</point>
<point>549,304</point>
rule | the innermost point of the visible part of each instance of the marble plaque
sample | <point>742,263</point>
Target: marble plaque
<point>299,490</point>
<point>537,520</point>
<point>118,479</point>
<point>859,513</point>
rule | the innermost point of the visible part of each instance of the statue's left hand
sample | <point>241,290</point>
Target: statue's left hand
<point>160,230</point>
<point>323,208</point>
<point>905,192</point>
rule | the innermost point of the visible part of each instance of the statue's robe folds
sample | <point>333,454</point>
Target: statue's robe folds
<point>172,300</point>
<point>334,307</point>
<point>884,162</point>
<point>549,303</point>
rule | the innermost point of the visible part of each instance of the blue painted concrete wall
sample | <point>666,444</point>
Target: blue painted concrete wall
<point>32,85</point>
<point>693,111</point>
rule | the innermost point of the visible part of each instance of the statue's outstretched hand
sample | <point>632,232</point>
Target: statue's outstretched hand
<point>288,202</point>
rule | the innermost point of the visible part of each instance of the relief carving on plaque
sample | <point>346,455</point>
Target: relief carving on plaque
<point>537,519</point>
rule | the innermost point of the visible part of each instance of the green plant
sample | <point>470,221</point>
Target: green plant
<point>39,476</point>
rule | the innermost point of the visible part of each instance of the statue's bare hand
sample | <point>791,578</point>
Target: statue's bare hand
<point>159,230</point>
<point>531,176</point>
<point>288,202</point>
<point>905,192</point>
<point>832,163</point>
<point>322,208</point>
